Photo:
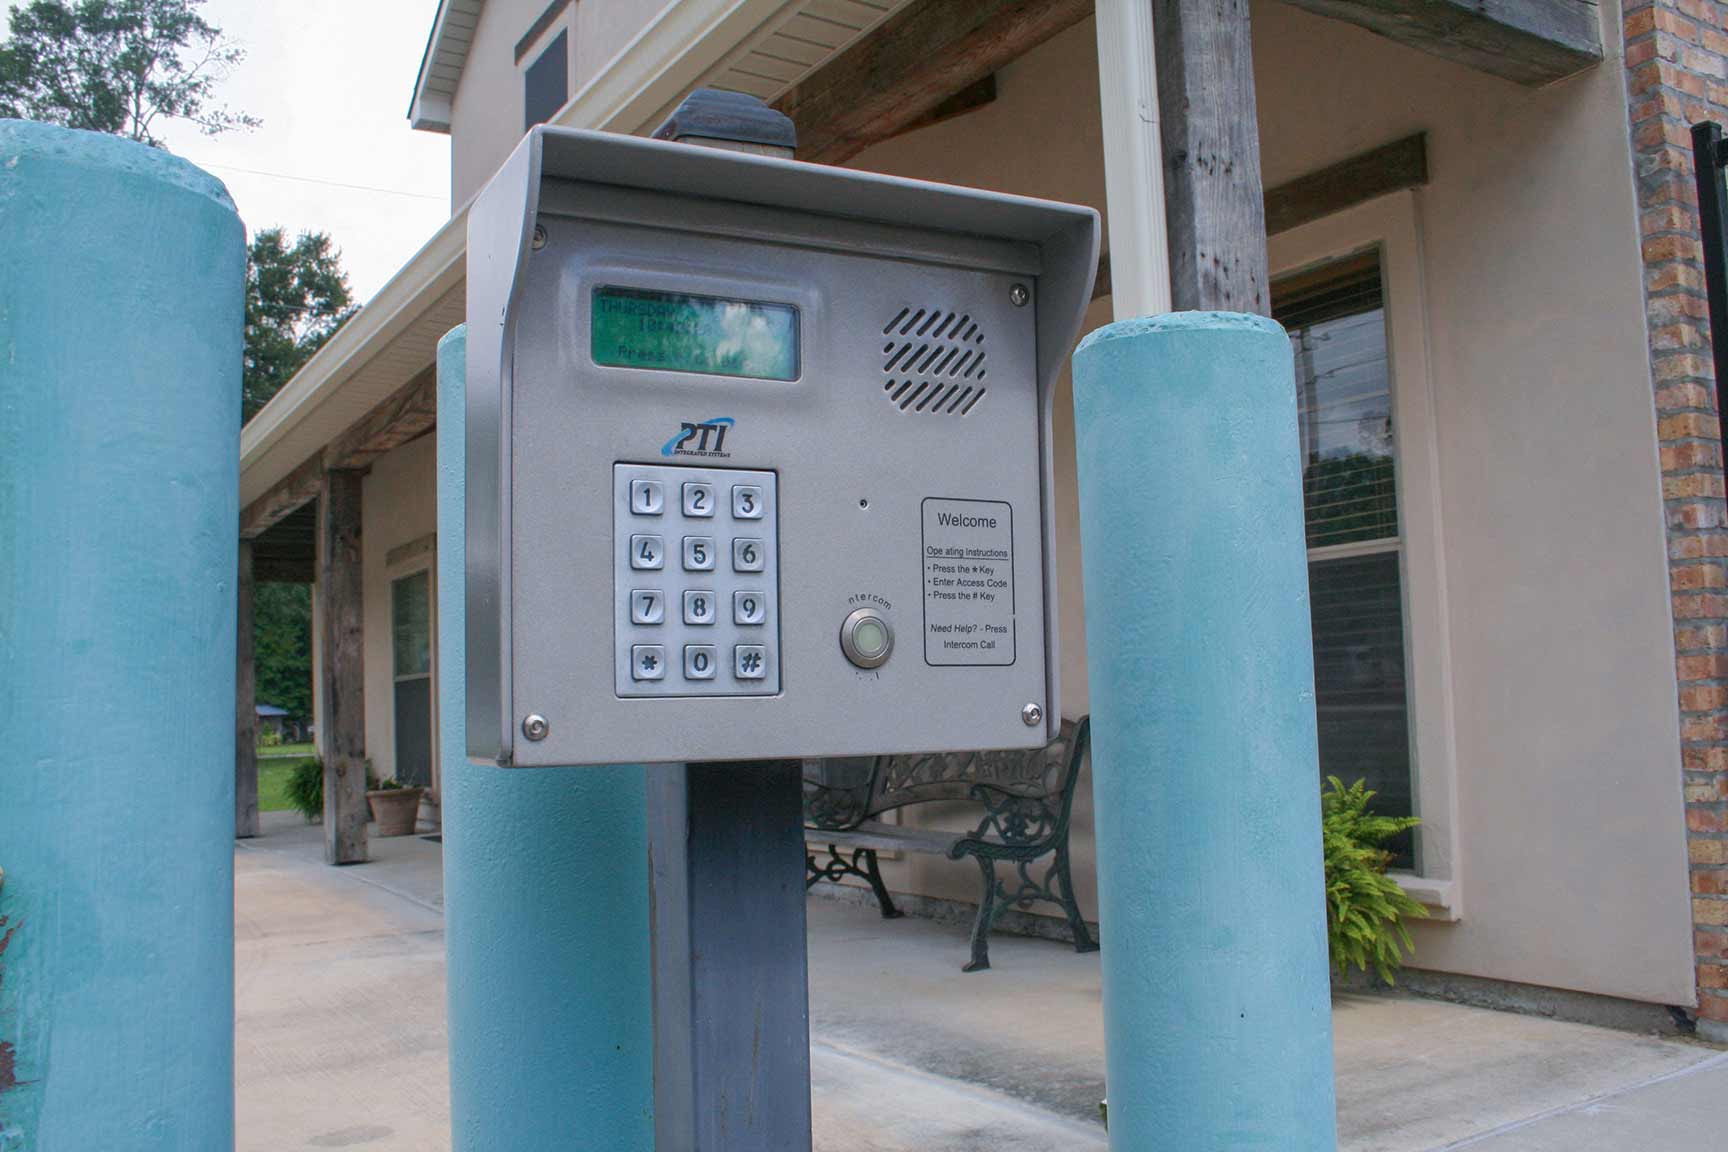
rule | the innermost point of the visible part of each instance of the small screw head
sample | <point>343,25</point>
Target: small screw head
<point>535,727</point>
<point>1032,715</point>
<point>539,237</point>
<point>1018,296</point>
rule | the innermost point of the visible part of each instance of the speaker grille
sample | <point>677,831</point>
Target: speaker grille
<point>933,362</point>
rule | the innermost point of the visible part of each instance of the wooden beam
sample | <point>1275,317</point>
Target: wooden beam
<point>1213,207</point>
<point>1530,42</point>
<point>245,708</point>
<point>287,496</point>
<point>1388,168</point>
<point>1377,172</point>
<point>409,412</point>
<point>968,99</point>
<point>343,720</point>
<point>910,64</point>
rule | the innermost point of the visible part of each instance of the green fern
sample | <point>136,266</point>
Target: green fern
<point>1365,908</point>
<point>305,788</point>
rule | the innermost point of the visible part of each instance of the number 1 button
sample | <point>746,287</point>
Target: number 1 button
<point>647,498</point>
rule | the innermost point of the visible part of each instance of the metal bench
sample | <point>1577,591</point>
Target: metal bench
<point>1027,797</point>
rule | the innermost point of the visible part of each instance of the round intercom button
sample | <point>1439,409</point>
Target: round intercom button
<point>867,638</point>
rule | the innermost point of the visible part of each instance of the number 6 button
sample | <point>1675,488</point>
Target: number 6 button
<point>746,555</point>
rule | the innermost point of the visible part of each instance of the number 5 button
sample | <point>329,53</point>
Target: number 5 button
<point>748,608</point>
<point>746,555</point>
<point>746,502</point>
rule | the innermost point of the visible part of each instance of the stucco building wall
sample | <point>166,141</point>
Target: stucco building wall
<point>398,507</point>
<point>1547,727</point>
<point>486,118</point>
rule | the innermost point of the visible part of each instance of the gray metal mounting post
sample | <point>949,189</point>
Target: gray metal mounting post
<point>731,1001</point>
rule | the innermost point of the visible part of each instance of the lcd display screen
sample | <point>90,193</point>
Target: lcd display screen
<point>676,332</point>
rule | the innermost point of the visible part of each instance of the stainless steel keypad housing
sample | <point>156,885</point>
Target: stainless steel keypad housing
<point>758,456</point>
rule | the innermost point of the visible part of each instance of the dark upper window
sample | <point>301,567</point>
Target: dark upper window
<point>546,83</point>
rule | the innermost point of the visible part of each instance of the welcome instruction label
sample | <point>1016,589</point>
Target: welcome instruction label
<point>968,582</point>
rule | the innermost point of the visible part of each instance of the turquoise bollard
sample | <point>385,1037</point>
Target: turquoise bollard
<point>122,273</point>
<point>1205,765</point>
<point>545,906</point>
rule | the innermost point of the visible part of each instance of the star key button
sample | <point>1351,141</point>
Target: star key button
<point>648,661</point>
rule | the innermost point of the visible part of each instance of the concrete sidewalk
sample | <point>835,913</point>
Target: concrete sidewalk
<point>340,1002</point>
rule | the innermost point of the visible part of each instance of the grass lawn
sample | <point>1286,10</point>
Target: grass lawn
<point>273,783</point>
<point>297,751</point>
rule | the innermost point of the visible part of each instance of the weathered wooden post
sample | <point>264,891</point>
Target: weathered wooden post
<point>1199,651</point>
<point>121,294</point>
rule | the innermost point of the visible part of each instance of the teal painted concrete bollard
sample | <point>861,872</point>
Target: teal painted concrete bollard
<point>1217,1020</point>
<point>121,299</point>
<point>545,906</point>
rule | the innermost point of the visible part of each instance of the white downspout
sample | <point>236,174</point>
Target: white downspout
<point>1133,160</point>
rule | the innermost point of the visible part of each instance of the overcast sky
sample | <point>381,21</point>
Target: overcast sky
<point>331,79</point>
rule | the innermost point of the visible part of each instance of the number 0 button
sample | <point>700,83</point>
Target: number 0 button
<point>647,552</point>
<point>748,608</point>
<point>698,499</point>
<point>746,555</point>
<point>746,502</point>
<point>699,661</point>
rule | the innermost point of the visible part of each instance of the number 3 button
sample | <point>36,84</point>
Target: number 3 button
<point>746,502</point>
<point>746,555</point>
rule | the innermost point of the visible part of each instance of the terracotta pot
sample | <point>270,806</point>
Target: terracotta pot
<point>394,810</point>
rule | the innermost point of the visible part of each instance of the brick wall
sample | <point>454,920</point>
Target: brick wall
<point>1677,74</point>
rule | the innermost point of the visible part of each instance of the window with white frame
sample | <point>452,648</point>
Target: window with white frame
<point>1336,317</point>
<point>546,81</point>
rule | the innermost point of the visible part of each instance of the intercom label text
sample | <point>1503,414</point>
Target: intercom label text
<point>968,582</point>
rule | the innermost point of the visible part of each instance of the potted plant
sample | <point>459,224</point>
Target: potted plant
<point>1365,908</point>
<point>395,807</point>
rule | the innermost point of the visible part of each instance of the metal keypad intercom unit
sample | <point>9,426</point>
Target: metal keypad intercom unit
<point>758,457</point>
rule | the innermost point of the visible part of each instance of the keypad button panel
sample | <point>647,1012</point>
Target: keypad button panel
<point>696,581</point>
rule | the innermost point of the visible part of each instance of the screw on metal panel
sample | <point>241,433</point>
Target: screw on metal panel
<point>1018,295</point>
<point>539,237</point>
<point>1032,715</point>
<point>535,727</point>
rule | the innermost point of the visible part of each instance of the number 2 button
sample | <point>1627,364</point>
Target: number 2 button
<point>746,555</point>
<point>698,499</point>
<point>647,552</point>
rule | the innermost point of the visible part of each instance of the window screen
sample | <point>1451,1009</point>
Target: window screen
<point>546,83</point>
<point>1336,319</point>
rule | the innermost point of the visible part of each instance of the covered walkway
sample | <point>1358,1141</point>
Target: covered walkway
<point>340,1003</point>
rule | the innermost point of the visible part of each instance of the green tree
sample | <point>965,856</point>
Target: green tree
<point>282,646</point>
<point>117,66</point>
<point>297,296</point>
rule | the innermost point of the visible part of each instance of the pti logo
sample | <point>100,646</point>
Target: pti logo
<point>705,439</point>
